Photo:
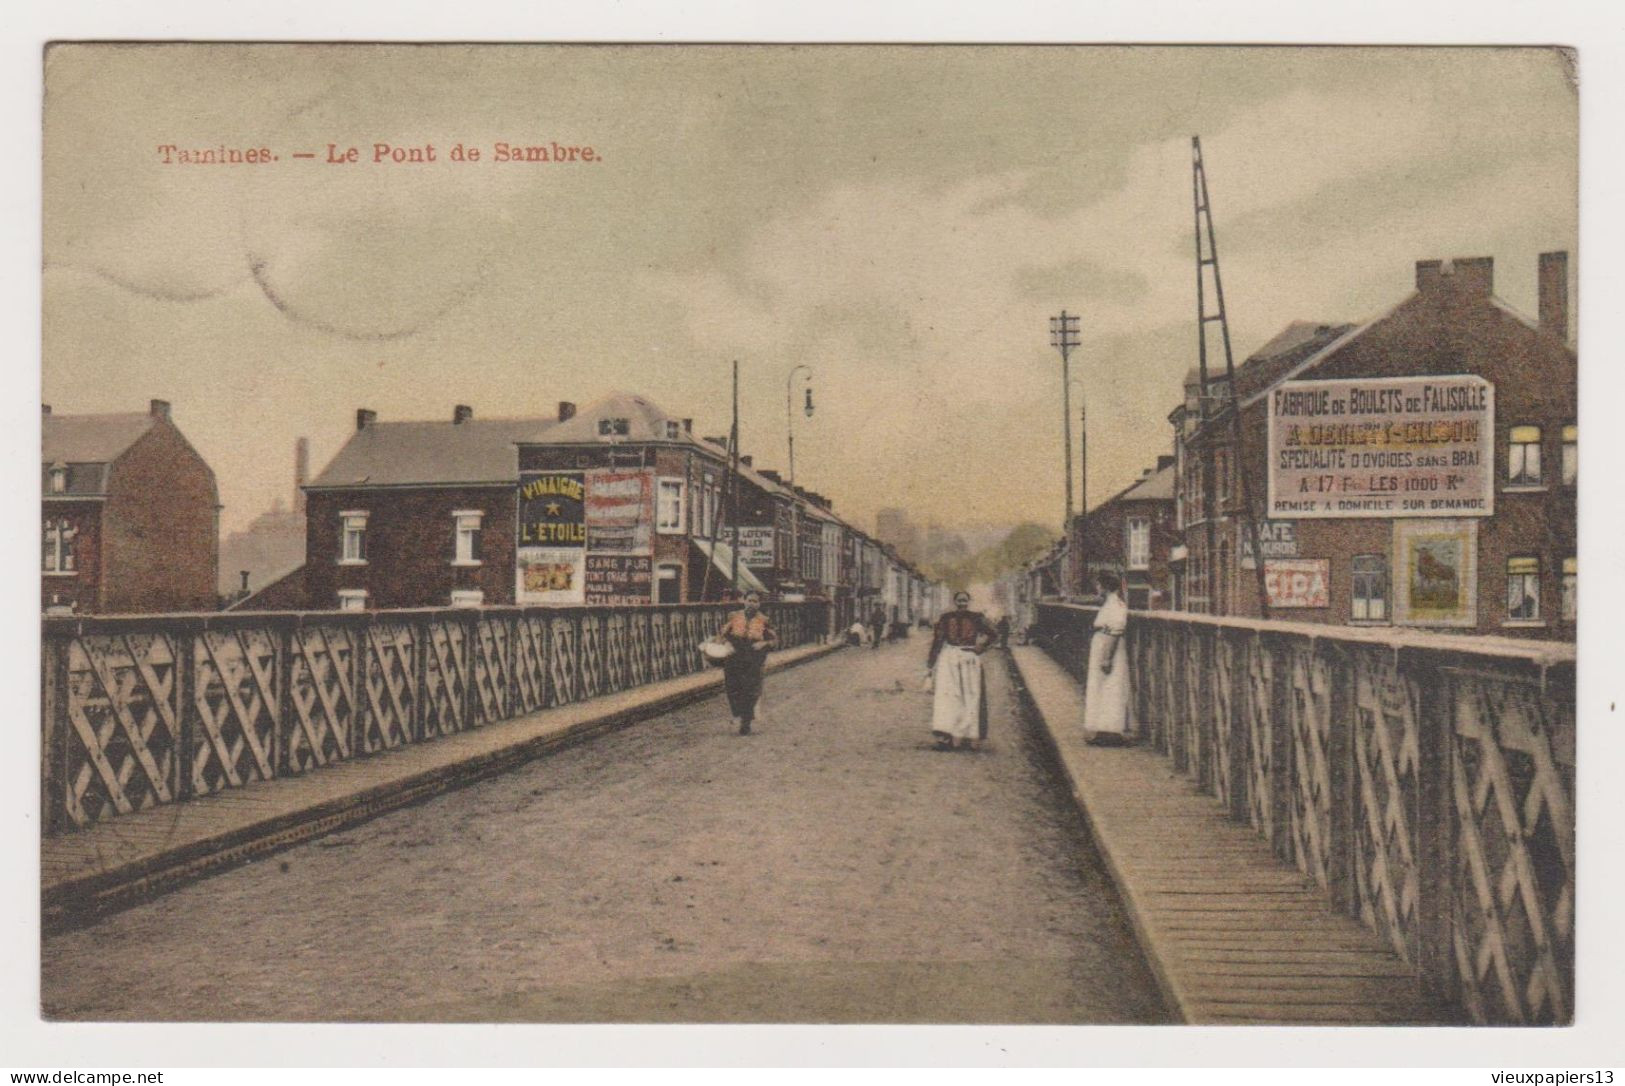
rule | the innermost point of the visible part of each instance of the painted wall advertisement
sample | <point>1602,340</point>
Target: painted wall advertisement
<point>1436,573</point>
<point>1297,582</point>
<point>1403,447</point>
<point>1276,538</point>
<point>756,546</point>
<point>551,555</point>
<point>620,579</point>
<point>620,512</point>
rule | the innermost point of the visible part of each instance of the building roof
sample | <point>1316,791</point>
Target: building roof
<point>91,439</point>
<point>645,419</point>
<point>431,453</point>
<point>1158,486</point>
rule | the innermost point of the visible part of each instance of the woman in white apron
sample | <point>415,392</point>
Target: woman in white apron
<point>959,701</point>
<point>1106,694</point>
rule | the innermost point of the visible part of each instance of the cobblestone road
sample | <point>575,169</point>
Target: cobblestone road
<point>831,868</point>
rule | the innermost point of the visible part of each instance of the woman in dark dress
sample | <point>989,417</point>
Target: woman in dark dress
<point>751,635</point>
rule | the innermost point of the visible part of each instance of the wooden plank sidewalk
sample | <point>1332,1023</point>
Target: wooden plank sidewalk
<point>131,857</point>
<point>1233,934</point>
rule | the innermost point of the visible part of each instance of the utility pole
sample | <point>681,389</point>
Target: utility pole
<point>789,413</point>
<point>1232,403</point>
<point>733,482</point>
<point>1063,335</point>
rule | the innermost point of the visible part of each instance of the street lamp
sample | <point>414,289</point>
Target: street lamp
<point>789,411</point>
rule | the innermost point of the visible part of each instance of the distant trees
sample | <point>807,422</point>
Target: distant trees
<point>1024,543</point>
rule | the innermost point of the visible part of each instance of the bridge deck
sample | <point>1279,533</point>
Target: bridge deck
<point>1234,935</point>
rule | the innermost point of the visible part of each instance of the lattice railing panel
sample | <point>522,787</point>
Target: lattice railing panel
<point>1386,799</point>
<point>637,648</point>
<point>616,665</point>
<point>445,649</point>
<point>1512,790</point>
<point>236,702</point>
<point>1262,769</point>
<point>530,663</point>
<point>1223,680</point>
<point>561,661</point>
<point>389,686</point>
<point>319,729</point>
<point>590,656</point>
<point>1309,716</point>
<point>492,669</point>
<point>122,732</point>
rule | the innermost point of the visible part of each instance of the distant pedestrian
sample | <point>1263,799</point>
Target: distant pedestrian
<point>1106,693</point>
<point>877,626</point>
<point>1003,628</point>
<point>752,637</point>
<point>854,635</point>
<point>959,701</point>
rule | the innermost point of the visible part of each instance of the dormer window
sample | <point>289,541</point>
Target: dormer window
<point>674,429</point>
<point>614,427</point>
<point>59,480</point>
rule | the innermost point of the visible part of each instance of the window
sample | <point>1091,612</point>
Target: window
<point>467,529</point>
<point>668,589</point>
<point>1571,454</point>
<point>674,429</point>
<point>352,599</point>
<point>1369,602</point>
<point>1523,589</point>
<point>1139,542</point>
<point>614,427</point>
<point>59,480</point>
<point>353,538</point>
<point>58,547</point>
<point>1221,486</point>
<point>1571,589</point>
<point>1523,456</point>
<point>669,506</point>
<point>467,597</point>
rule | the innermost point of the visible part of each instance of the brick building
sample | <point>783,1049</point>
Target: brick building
<point>1507,567</point>
<point>130,516</point>
<point>412,514</point>
<point>1133,534</point>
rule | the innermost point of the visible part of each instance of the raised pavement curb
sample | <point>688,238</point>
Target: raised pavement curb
<point>133,857</point>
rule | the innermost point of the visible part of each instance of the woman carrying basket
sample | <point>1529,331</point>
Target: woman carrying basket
<point>751,635</point>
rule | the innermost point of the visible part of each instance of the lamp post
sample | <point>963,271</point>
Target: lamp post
<point>798,560</point>
<point>789,412</point>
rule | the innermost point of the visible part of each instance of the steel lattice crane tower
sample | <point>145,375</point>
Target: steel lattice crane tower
<point>1207,256</point>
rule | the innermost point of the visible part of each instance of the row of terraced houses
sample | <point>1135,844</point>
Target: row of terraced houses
<point>1501,559</point>
<point>617,503</point>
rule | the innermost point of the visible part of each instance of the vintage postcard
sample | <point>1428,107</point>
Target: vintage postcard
<point>1072,535</point>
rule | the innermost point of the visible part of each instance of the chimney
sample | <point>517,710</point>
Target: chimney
<point>364,418</point>
<point>688,425</point>
<point>1554,293</point>
<point>567,410</point>
<point>1475,275</point>
<point>745,460</point>
<point>719,442</point>
<point>159,409</point>
<point>301,472</point>
<point>244,573</point>
<point>461,414</point>
<point>771,476</point>
<point>1165,462</point>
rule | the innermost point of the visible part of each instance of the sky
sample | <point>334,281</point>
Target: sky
<point>902,220</point>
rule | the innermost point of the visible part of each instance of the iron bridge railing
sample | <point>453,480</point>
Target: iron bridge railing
<point>144,710</point>
<point>1424,782</point>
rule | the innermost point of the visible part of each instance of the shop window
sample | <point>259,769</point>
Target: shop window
<point>669,506</point>
<point>467,534</point>
<point>1571,589</point>
<point>353,538</point>
<point>1571,454</point>
<point>58,556</point>
<point>1523,456</point>
<point>1523,588</point>
<point>1369,598</point>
